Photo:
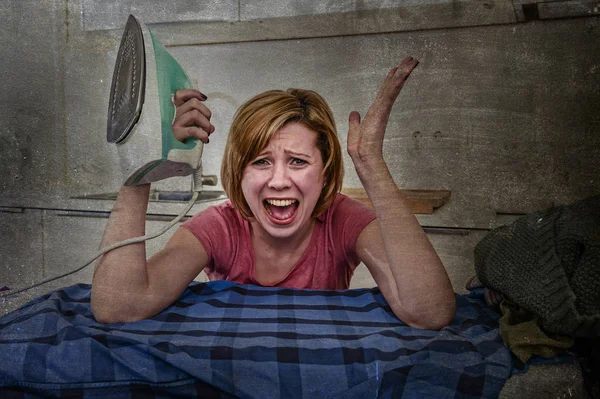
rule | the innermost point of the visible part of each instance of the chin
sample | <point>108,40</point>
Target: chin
<point>279,232</point>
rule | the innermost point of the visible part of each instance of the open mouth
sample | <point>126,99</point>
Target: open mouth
<point>281,210</point>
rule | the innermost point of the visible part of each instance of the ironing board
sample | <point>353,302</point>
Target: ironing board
<point>226,340</point>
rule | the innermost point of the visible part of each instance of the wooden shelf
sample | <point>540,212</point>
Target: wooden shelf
<point>419,201</point>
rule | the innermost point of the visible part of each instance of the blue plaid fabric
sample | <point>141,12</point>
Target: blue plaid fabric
<point>226,340</point>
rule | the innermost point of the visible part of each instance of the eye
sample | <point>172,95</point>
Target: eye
<point>298,162</point>
<point>260,162</point>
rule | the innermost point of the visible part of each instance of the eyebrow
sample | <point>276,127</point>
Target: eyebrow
<point>289,152</point>
<point>297,153</point>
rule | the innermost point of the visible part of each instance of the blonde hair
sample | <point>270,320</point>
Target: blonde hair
<point>257,121</point>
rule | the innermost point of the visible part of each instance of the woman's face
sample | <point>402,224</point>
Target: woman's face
<point>283,184</point>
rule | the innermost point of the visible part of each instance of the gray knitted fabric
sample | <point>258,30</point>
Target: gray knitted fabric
<point>548,262</point>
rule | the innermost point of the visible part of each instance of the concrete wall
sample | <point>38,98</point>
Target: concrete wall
<point>501,112</point>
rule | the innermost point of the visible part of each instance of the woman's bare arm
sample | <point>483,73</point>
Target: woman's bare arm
<point>126,286</point>
<point>394,246</point>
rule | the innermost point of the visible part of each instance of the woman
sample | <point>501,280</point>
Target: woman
<point>285,225</point>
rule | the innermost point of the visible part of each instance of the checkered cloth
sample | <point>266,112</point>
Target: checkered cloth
<point>225,340</point>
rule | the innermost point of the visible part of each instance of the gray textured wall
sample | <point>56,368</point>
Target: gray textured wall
<point>502,113</point>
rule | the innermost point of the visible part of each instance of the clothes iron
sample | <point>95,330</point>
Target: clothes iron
<point>141,110</point>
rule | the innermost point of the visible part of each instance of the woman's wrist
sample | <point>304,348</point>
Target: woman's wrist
<point>132,197</point>
<point>373,173</point>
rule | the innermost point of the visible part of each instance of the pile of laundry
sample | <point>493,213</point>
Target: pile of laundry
<point>542,273</point>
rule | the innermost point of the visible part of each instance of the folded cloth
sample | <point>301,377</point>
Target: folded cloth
<point>225,340</point>
<point>522,334</point>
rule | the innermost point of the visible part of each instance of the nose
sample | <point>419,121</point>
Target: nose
<point>280,177</point>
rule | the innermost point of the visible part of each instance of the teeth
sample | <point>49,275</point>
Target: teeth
<point>280,202</point>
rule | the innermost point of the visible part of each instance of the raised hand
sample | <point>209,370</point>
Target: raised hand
<point>192,117</point>
<point>365,138</point>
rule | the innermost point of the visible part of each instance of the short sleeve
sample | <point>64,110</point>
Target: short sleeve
<point>216,229</point>
<point>349,217</point>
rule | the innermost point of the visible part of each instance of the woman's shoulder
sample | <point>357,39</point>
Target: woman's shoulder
<point>225,208</point>
<point>342,206</point>
<point>223,214</point>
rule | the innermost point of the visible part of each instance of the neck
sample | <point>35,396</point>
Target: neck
<point>262,239</point>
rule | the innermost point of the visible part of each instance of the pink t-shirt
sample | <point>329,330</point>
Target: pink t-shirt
<point>328,262</point>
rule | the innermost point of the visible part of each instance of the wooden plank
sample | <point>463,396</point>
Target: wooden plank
<point>440,15</point>
<point>419,201</point>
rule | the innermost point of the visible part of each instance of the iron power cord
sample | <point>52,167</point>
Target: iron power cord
<point>196,188</point>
